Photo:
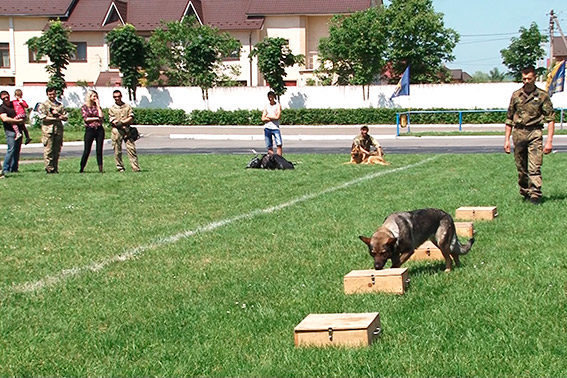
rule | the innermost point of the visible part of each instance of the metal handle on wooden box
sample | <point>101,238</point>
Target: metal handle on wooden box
<point>373,280</point>
<point>407,281</point>
<point>377,331</point>
<point>330,334</point>
<point>428,252</point>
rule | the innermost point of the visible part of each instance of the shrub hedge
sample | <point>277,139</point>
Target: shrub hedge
<point>296,117</point>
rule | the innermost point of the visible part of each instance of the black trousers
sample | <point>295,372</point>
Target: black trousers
<point>92,134</point>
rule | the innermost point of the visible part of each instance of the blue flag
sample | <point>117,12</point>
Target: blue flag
<point>402,89</point>
<point>556,79</point>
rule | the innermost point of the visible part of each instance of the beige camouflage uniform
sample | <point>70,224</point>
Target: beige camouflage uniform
<point>51,134</point>
<point>527,114</point>
<point>118,113</point>
<point>366,143</point>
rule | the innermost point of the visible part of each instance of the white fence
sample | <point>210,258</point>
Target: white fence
<point>444,96</point>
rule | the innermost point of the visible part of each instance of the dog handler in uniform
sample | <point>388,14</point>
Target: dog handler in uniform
<point>365,142</point>
<point>529,108</point>
<point>52,114</point>
<point>121,117</point>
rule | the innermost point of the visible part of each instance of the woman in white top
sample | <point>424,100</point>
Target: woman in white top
<point>271,117</point>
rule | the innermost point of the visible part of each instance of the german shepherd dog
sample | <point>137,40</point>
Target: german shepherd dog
<point>402,232</point>
<point>359,157</point>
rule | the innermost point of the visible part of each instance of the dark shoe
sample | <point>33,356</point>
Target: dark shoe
<point>535,200</point>
<point>28,140</point>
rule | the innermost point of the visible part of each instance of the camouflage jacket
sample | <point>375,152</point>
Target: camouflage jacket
<point>47,108</point>
<point>529,110</point>
<point>120,112</point>
<point>365,143</point>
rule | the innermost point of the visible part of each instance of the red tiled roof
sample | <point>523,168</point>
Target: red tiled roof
<point>146,15</point>
<point>47,8</point>
<point>559,47</point>
<point>229,15</point>
<point>273,7</point>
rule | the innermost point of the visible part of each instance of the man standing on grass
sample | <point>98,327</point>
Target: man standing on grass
<point>8,116</point>
<point>52,114</point>
<point>121,116</point>
<point>271,118</point>
<point>529,108</point>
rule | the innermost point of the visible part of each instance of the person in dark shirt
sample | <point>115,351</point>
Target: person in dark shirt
<point>8,116</point>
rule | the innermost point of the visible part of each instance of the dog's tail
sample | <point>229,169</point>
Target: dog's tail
<point>464,249</point>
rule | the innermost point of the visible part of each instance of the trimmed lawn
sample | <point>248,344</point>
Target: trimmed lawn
<point>132,276</point>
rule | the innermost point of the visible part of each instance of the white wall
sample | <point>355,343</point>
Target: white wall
<point>455,96</point>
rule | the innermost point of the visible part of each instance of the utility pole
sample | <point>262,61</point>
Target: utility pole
<point>554,19</point>
<point>551,32</point>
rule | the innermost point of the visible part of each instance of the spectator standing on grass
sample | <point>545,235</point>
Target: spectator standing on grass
<point>8,116</point>
<point>52,114</point>
<point>93,116</point>
<point>530,107</point>
<point>121,116</point>
<point>271,116</point>
<point>20,105</point>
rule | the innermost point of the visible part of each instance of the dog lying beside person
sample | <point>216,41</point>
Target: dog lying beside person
<point>401,233</point>
<point>366,150</point>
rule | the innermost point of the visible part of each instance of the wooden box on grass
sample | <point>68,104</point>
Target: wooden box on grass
<point>393,280</point>
<point>465,229</point>
<point>427,251</point>
<point>476,213</point>
<point>351,330</point>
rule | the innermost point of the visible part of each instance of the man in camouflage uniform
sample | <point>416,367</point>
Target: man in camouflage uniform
<point>52,114</point>
<point>365,142</point>
<point>529,108</point>
<point>121,116</point>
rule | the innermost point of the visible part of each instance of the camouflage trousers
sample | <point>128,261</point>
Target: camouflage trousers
<point>528,153</point>
<point>52,139</point>
<point>117,137</point>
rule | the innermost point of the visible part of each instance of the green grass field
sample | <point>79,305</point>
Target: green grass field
<point>127,274</point>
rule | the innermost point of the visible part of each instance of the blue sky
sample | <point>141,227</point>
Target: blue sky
<point>486,27</point>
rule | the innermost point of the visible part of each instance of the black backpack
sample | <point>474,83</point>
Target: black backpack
<point>268,161</point>
<point>256,162</point>
<point>133,134</point>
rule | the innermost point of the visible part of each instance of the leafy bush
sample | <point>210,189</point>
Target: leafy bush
<point>295,117</point>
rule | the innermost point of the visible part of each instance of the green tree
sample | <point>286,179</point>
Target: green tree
<point>524,51</point>
<point>479,77</point>
<point>128,53</point>
<point>189,53</point>
<point>274,55</point>
<point>496,76</point>
<point>54,43</point>
<point>355,51</point>
<point>419,39</point>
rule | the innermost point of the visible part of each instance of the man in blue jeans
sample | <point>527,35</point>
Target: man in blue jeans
<point>271,116</point>
<point>8,116</point>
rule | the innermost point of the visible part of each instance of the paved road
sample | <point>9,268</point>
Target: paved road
<point>297,139</point>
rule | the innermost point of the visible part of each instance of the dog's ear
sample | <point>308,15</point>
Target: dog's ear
<point>365,239</point>
<point>391,241</point>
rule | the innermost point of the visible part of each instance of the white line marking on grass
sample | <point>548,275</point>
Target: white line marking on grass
<point>52,280</point>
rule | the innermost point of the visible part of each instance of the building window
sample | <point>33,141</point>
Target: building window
<point>235,55</point>
<point>33,58</point>
<point>80,55</point>
<point>4,55</point>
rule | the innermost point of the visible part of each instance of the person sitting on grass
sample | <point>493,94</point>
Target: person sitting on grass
<point>364,144</point>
